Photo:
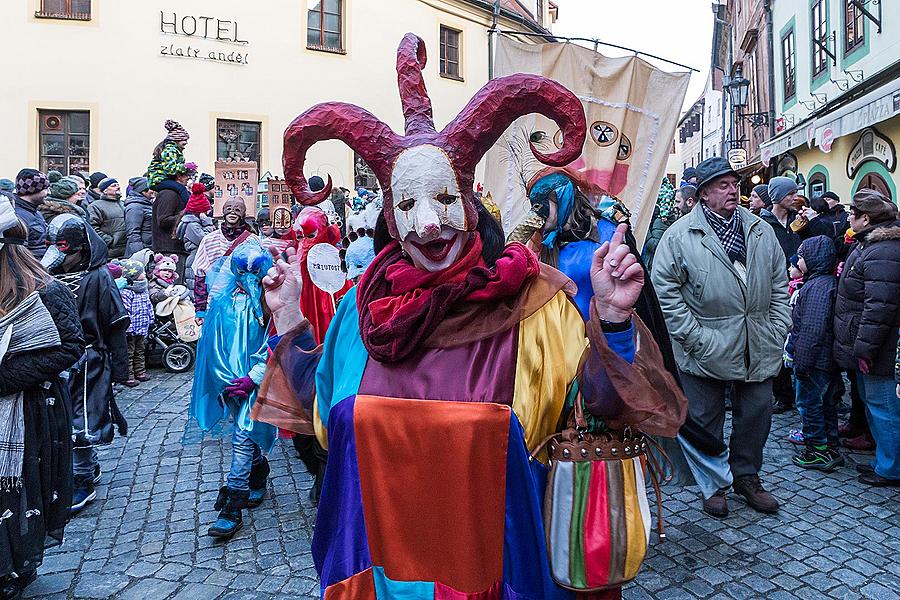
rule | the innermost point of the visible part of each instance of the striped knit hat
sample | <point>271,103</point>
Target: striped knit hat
<point>177,133</point>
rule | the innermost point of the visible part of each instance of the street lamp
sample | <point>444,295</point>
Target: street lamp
<point>738,88</point>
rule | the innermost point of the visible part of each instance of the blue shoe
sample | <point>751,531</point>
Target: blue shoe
<point>97,474</point>
<point>229,504</point>
<point>81,498</point>
<point>259,474</point>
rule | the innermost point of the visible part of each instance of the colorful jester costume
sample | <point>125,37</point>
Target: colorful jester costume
<point>435,385</point>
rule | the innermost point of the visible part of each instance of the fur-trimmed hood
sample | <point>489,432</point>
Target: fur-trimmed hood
<point>885,232</point>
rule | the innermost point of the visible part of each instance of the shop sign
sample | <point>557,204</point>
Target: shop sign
<point>235,180</point>
<point>871,147</point>
<point>201,31</point>
<point>738,158</point>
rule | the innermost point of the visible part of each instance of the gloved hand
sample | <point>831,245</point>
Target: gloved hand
<point>864,365</point>
<point>240,388</point>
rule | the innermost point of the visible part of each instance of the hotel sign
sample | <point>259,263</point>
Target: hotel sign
<point>210,38</point>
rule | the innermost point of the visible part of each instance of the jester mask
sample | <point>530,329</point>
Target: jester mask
<point>427,176</point>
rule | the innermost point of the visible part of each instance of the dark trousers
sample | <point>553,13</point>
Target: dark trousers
<point>857,419</point>
<point>137,358</point>
<point>817,401</point>
<point>783,387</point>
<point>751,416</point>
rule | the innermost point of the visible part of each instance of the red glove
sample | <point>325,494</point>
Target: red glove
<point>240,388</point>
<point>864,365</point>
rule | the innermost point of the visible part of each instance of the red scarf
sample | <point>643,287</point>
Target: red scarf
<point>401,305</point>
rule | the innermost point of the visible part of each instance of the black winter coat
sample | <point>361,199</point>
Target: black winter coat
<point>46,491</point>
<point>867,311</point>
<point>812,333</point>
<point>787,238</point>
<point>166,208</point>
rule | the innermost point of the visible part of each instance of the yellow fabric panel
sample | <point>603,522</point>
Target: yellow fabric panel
<point>636,546</point>
<point>318,426</point>
<point>551,343</point>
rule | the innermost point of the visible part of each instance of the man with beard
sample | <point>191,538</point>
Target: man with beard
<point>232,232</point>
<point>77,257</point>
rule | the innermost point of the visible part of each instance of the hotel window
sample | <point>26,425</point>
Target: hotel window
<point>788,65</point>
<point>238,140</point>
<point>65,140</point>
<point>324,26</point>
<point>854,27</point>
<point>819,26</point>
<point>450,53</point>
<point>79,10</point>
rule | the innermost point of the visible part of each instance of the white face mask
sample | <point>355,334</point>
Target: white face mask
<point>426,194</point>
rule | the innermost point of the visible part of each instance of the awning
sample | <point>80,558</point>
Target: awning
<point>787,141</point>
<point>876,106</point>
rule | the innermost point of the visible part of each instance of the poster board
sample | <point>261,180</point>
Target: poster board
<point>236,180</point>
<point>279,194</point>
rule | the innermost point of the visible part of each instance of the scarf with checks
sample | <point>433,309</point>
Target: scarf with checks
<point>730,234</point>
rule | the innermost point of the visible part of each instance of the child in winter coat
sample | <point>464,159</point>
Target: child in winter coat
<point>810,345</point>
<point>164,277</point>
<point>136,299</point>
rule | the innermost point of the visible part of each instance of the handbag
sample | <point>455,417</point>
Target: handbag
<point>596,513</point>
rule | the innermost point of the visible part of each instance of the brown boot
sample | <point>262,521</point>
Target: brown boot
<point>750,487</point>
<point>717,504</point>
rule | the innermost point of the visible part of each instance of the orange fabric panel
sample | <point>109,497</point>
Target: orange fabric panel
<point>433,481</point>
<point>358,587</point>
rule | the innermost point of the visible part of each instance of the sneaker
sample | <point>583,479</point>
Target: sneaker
<point>716,505</point>
<point>97,474</point>
<point>132,383</point>
<point>81,498</point>
<point>795,436</point>
<point>861,443</point>
<point>752,490</point>
<point>145,376</point>
<point>818,457</point>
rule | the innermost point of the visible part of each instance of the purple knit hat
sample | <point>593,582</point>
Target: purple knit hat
<point>31,181</point>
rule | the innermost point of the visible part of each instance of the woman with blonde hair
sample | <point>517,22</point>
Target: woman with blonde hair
<point>40,337</point>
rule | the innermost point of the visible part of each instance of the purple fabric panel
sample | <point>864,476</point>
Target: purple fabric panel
<point>483,371</point>
<point>340,544</point>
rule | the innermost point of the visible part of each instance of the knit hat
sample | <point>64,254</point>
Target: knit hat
<point>208,181</point>
<point>31,181</point>
<point>115,269</point>
<point>762,190</point>
<point>689,174</point>
<point>106,183</point>
<point>165,263</point>
<point>54,176</point>
<point>131,269</point>
<point>177,133</point>
<point>139,184</point>
<point>665,200</point>
<point>780,188</point>
<point>875,204</point>
<point>316,183</point>
<point>64,188</point>
<point>96,178</point>
<point>831,196</point>
<point>198,203</point>
<point>7,185</point>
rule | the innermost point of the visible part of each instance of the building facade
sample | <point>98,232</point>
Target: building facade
<point>837,94</point>
<point>700,130</point>
<point>99,78</point>
<point>750,58</point>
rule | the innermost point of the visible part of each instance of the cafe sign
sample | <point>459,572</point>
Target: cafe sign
<point>871,147</point>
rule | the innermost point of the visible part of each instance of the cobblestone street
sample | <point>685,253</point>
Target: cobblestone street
<point>144,537</point>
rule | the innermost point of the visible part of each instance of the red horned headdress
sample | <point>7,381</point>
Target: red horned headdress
<point>427,174</point>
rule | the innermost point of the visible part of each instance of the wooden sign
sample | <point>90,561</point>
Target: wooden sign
<point>236,180</point>
<point>279,194</point>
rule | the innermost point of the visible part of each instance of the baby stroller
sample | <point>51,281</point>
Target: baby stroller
<point>166,348</point>
<point>172,339</point>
